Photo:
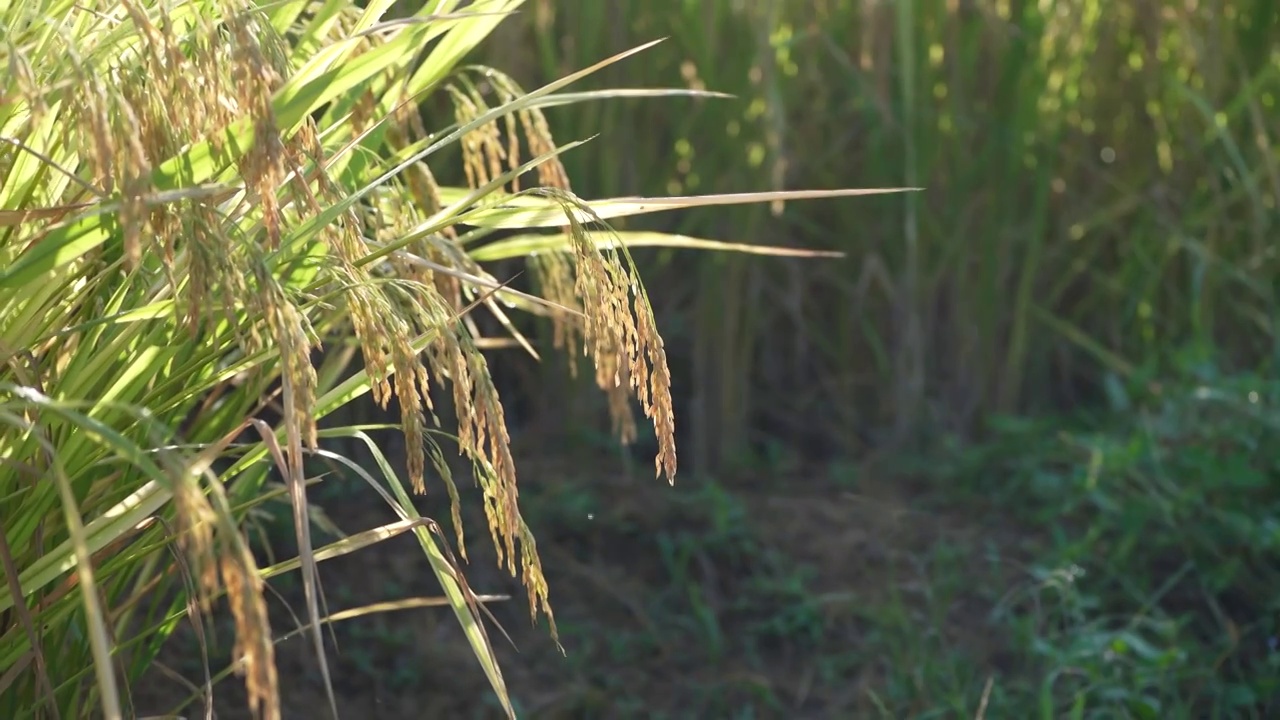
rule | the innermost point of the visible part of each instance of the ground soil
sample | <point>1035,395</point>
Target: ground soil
<point>634,623</point>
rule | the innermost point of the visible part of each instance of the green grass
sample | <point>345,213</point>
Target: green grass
<point>1106,566</point>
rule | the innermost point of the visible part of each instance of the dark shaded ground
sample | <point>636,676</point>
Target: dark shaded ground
<point>833,593</point>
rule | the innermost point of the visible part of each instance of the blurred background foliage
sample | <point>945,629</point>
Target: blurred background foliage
<point>1100,193</point>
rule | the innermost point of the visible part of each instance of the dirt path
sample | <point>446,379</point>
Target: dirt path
<point>803,600</point>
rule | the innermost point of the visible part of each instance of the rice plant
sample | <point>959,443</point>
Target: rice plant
<point>207,208</point>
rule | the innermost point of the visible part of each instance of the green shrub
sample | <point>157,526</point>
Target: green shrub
<point>1155,589</point>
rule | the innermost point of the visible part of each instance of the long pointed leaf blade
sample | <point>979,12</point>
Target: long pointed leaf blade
<point>528,211</point>
<point>526,245</point>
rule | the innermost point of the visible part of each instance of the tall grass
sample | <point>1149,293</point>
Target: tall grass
<point>195,198</point>
<point>1102,186</point>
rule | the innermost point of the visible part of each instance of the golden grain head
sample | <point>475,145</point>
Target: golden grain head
<point>253,645</point>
